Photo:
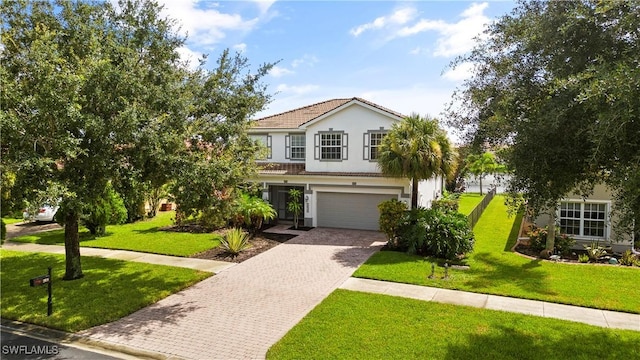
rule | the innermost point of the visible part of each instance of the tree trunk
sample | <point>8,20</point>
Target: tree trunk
<point>480,185</point>
<point>414,193</point>
<point>72,246</point>
<point>551,231</point>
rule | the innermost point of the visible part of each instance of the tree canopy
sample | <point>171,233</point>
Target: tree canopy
<point>557,83</point>
<point>96,94</point>
<point>418,148</point>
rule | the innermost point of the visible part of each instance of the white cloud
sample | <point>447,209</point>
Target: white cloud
<point>454,38</point>
<point>459,73</point>
<point>307,59</point>
<point>398,17</point>
<point>278,71</point>
<point>296,89</point>
<point>192,58</point>
<point>208,26</point>
<point>241,48</point>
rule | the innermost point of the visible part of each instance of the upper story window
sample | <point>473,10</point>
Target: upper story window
<point>583,219</point>
<point>372,141</point>
<point>295,145</point>
<point>331,146</point>
<point>265,140</point>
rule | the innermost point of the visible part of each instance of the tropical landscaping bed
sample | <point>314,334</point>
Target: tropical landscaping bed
<point>344,326</point>
<point>257,245</point>
<point>109,290</point>
<point>494,269</point>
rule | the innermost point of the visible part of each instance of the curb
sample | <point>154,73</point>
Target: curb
<point>66,338</point>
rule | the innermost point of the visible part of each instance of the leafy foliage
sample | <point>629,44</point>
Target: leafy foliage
<point>294,205</point>
<point>235,241</point>
<point>95,93</point>
<point>483,164</point>
<point>418,148</point>
<point>433,232</point>
<point>556,82</point>
<point>107,210</point>
<point>538,240</point>
<point>253,211</point>
<point>629,259</point>
<point>595,251</point>
<point>391,214</point>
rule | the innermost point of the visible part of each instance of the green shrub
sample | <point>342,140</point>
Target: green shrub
<point>251,212</point>
<point>538,240</point>
<point>445,204</point>
<point>392,213</point>
<point>107,210</point>
<point>412,230</point>
<point>3,232</point>
<point>447,235</point>
<point>583,258</point>
<point>235,241</point>
<point>629,259</point>
<point>595,251</point>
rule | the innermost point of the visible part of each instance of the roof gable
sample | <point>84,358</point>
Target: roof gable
<point>296,118</point>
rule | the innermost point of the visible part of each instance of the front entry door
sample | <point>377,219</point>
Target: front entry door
<point>280,198</point>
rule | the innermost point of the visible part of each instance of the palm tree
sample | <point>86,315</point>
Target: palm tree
<point>418,148</point>
<point>481,165</point>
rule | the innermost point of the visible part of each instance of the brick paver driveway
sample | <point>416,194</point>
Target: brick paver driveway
<point>241,312</point>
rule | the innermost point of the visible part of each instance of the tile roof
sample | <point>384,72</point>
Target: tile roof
<point>299,169</point>
<point>295,118</point>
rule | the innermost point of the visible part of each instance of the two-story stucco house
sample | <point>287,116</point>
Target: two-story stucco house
<point>329,151</point>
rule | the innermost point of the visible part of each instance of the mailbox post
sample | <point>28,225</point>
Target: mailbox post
<point>41,280</point>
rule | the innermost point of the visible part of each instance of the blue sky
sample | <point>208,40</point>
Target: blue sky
<point>394,53</point>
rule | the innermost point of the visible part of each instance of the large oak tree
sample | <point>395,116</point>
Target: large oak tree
<point>558,83</point>
<point>94,94</point>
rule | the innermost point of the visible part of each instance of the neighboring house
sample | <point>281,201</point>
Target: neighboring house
<point>329,151</point>
<point>588,220</point>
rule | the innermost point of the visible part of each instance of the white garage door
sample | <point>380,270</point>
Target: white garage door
<point>350,211</point>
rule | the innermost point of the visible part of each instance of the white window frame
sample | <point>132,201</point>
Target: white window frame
<point>369,147</point>
<point>582,204</point>
<point>291,148</point>
<point>342,146</point>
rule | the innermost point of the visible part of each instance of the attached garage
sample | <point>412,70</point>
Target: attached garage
<point>350,210</point>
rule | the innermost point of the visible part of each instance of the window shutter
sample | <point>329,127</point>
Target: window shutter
<point>365,141</point>
<point>345,146</point>
<point>287,147</point>
<point>316,145</point>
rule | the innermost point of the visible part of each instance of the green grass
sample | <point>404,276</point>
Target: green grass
<point>143,236</point>
<point>10,220</point>
<point>468,202</point>
<point>353,325</point>
<point>109,290</point>
<point>497,270</point>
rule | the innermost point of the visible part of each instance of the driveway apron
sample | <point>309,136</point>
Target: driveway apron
<point>241,312</point>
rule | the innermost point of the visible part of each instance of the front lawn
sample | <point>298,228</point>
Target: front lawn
<point>109,290</point>
<point>11,220</point>
<point>353,325</point>
<point>497,270</point>
<point>468,202</point>
<point>143,236</point>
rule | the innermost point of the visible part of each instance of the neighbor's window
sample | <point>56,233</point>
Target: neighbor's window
<point>297,146</point>
<point>583,219</point>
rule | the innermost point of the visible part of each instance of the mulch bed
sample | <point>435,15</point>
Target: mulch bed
<point>259,244</point>
<point>302,228</point>
<point>572,258</point>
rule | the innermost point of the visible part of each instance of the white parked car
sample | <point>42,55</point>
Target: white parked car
<point>44,213</point>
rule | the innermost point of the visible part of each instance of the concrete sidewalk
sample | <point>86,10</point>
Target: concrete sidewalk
<point>602,318</point>
<point>197,264</point>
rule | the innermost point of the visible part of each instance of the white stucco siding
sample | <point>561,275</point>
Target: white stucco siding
<point>429,190</point>
<point>354,121</point>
